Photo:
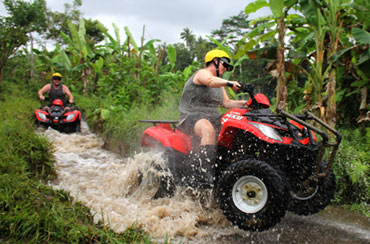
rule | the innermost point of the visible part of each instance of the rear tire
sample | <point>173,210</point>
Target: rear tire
<point>321,197</point>
<point>252,195</point>
<point>164,176</point>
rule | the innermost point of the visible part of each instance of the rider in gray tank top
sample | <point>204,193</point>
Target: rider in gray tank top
<point>199,118</point>
<point>200,100</point>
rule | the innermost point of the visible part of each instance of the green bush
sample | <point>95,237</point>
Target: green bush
<point>352,169</point>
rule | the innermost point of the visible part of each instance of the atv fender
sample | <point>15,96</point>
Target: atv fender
<point>75,118</point>
<point>168,137</point>
<point>235,120</point>
<point>37,111</point>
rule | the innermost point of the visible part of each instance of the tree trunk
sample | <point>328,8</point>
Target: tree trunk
<point>32,60</point>
<point>364,114</point>
<point>85,79</point>
<point>331,113</point>
<point>1,75</point>
<point>282,92</point>
<point>161,53</point>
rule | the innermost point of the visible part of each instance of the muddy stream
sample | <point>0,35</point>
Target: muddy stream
<point>108,185</point>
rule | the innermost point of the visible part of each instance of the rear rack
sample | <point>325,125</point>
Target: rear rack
<point>155,122</point>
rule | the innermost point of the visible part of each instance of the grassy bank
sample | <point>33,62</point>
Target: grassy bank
<point>30,211</point>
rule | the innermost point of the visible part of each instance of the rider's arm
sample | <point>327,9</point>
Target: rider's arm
<point>205,77</point>
<point>228,103</point>
<point>44,89</point>
<point>68,92</point>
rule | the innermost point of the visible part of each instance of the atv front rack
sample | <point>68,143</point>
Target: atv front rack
<point>325,143</point>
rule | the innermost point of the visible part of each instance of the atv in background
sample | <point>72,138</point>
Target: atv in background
<point>59,117</point>
<point>267,163</point>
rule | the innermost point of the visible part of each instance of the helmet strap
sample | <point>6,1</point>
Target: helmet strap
<point>217,66</point>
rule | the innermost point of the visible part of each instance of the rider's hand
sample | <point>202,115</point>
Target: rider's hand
<point>42,98</point>
<point>234,85</point>
<point>245,104</point>
<point>70,101</point>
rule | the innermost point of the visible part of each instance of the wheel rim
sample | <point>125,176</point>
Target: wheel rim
<point>305,196</point>
<point>249,194</point>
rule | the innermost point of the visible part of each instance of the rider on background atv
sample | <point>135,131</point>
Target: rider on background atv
<point>56,90</point>
<point>203,93</point>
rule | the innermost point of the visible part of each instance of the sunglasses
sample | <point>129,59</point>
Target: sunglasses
<point>226,64</point>
<point>56,78</point>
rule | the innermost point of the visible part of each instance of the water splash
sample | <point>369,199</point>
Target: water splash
<point>120,190</point>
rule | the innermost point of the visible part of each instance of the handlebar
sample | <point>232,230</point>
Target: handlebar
<point>67,103</point>
<point>243,87</point>
<point>249,88</point>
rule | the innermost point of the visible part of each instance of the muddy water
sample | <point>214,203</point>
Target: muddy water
<point>109,185</point>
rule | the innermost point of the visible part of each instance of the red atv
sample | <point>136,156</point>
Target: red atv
<point>59,118</point>
<point>267,163</point>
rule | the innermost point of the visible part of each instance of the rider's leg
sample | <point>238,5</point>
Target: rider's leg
<point>206,131</point>
<point>206,155</point>
<point>197,170</point>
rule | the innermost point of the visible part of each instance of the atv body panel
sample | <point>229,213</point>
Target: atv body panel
<point>168,137</point>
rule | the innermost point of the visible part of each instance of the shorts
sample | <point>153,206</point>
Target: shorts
<point>187,125</point>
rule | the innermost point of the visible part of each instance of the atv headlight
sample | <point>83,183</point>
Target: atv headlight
<point>268,131</point>
<point>70,117</point>
<point>41,115</point>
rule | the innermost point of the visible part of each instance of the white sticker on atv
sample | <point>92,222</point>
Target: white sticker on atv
<point>234,116</point>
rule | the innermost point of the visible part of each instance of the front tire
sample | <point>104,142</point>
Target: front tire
<point>252,195</point>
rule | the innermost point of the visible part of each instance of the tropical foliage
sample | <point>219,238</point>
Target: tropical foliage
<point>321,32</point>
<point>307,54</point>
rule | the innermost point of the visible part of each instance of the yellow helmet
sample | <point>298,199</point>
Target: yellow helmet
<point>57,74</point>
<point>221,55</point>
<point>215,53</point>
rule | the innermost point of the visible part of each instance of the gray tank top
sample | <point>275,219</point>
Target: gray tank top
<point>200,100</point>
